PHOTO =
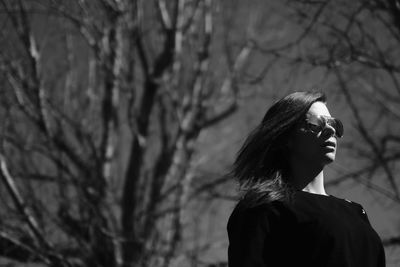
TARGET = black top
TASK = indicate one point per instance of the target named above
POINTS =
(312, 230)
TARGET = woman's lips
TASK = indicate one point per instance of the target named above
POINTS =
(329, 145)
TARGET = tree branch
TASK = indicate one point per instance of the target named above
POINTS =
(8, 180)
(392, 241)
(364, 133)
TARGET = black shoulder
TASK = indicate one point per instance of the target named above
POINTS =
(263, 214)
(359, 209)
(250, 231)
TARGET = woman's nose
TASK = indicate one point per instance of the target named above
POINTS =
(328, 131)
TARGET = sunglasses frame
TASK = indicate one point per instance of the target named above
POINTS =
(322, 122)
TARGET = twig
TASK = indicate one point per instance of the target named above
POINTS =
(392, 241)
(20, 204)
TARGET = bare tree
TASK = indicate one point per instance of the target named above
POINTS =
(102, 104)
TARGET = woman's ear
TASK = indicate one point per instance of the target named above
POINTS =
(289, 142)
(286, 148)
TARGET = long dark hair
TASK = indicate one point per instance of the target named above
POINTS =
(261, 166)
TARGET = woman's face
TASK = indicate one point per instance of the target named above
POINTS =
(310, 146)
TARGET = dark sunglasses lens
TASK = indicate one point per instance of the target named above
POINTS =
(337, 125)
(315, 128)
(316, 125)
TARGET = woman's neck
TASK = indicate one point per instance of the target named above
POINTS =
(308, 179)
(316, 186)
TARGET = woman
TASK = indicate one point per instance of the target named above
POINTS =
(285, 217)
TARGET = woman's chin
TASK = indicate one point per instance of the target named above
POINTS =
(329, 157)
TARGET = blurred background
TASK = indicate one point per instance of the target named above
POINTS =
(121, 118)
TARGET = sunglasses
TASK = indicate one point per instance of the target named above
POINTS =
(316, 124)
